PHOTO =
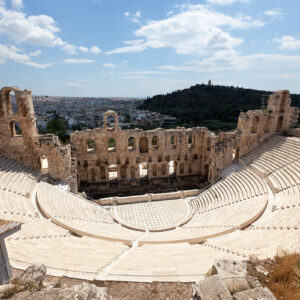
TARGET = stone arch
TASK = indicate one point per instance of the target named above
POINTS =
(173, 142)
(279, 124)
(15, 128)
(190, 140)
(143, 144)
(6, 100)
(111, 144)
(255, 123)
(143, 168)
(172, 167)
(190, 168)
(155, 142)
(90, 145)
(131, 144)
(107, 115)
(44, 164)
(268, 124)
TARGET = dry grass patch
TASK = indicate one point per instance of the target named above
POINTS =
(283, 277)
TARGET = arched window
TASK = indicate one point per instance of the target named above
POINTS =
(110, 120)
(15, 128)
(112, 172)
(143, 145)
(131, 144)
(123, 172)
(190, 167)
(143, 168)
(85, 164)
(155, 143)
(154, 170)
(171, 167)
(255, 123)
(190, 140)
(44, 164)
(12, 104)
(111, 145)
(173, 142)
(90, 145)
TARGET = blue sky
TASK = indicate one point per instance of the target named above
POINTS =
(140, 48)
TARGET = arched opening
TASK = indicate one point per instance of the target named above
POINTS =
(44, 164)
(279, 124)
(173, 142)
(90, 145)
(111, 145)
(102, 173)
(236, 153)
(11, 103)
(171, 167)
(154, 170)
(123, 172)
(143, 146)
(131, 144)
(143, 168)
(163, 170)
(92, 175)
(181, 168)
(112, 172)
(110, 120)
(15, 128)
(190, 140)
(155, 143)
(190, 168)
(255, 123)
(268, 124)
(132, 172)
(85, 164)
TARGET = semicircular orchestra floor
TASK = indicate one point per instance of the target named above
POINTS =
(152, 216)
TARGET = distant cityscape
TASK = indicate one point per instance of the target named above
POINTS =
(79, 113)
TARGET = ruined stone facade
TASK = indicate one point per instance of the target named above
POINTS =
(107, 161)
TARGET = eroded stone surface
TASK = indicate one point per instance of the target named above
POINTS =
(255, 294)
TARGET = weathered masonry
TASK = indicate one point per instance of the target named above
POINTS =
(107, 161)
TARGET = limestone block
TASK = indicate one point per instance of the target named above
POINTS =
(255, 294)
(211, 288)
(233, 273)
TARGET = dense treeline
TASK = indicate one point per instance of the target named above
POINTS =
(216, 107)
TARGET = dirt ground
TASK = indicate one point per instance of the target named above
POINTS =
(133, 290)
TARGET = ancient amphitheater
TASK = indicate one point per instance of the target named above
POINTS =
(251, 205)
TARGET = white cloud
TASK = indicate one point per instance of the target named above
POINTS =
(95, 50)
(83, 49)
(17, 4)
(40, 30)
(275, 14)
(15, 54)
(226, 2)
(133, 17)
(36, 53)
(109, 65)
(238, 62)
(78, 61)
(144, 72)
(288, 42)
(197, 29)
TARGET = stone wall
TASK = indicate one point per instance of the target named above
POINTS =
(109, 161)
